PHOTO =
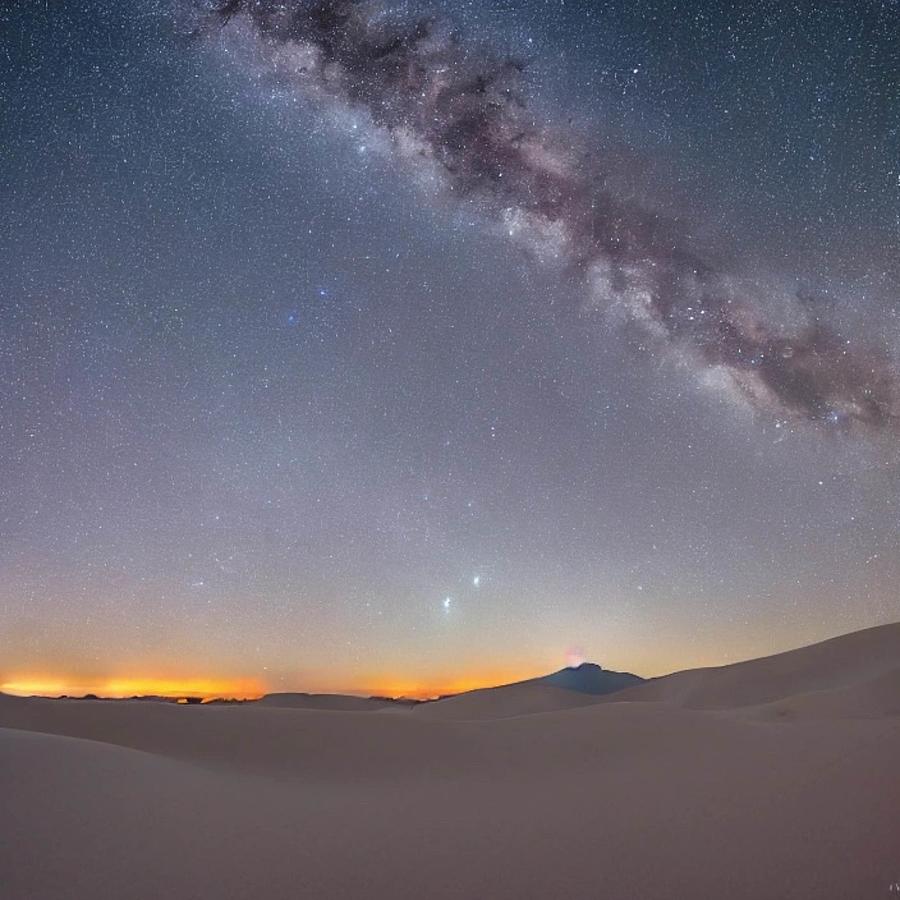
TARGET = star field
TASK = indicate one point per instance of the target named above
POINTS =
(391, 349)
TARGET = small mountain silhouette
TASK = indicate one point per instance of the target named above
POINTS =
(589, 678)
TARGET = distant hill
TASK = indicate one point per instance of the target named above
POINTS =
(589, 678)
(568, 688)
(532, 695)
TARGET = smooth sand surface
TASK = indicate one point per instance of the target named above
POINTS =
(504, 702)
(334, 702)
(845, 662)
(791, 791)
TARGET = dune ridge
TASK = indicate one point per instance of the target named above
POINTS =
(774, 777)
(843, 664)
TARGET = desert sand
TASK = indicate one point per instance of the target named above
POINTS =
(773, 778)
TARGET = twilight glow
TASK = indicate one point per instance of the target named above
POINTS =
(130, 687)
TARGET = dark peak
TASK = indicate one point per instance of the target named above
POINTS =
(590, 678)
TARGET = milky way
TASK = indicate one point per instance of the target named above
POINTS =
(349, 347)
(460, 116)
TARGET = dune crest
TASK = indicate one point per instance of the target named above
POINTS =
(742, 781)
(843, 666)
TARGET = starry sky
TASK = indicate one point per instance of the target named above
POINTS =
(403, 348)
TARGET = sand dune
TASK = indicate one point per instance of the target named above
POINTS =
(871, 699)
(336, 702)
(837, 665)
(681, 796)
(503, 702)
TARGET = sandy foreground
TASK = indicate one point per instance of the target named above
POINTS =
(777, 778)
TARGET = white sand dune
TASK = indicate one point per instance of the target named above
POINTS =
(335, 702)
(650, 799)
(504, 702)
(842, 664)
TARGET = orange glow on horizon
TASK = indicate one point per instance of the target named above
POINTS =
(245, 689)
(118, 688)
(428, 690)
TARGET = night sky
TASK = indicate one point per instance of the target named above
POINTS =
(404, 348)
